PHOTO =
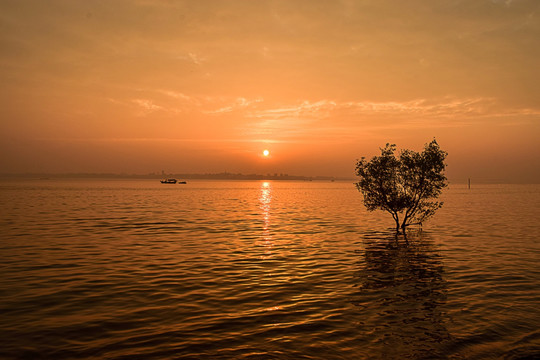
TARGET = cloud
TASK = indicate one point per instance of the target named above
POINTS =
(192, 57)
(238, 104)
(505, 2)
(152, 140)
(329, 119)
(177, 95)
(448, 107)
(147, 106)
(257, 118)
(174, 102)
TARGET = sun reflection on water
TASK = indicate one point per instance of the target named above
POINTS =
(265, 200)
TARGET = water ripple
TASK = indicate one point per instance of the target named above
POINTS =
(255, 270)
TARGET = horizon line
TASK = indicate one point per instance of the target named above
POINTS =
(225, 175)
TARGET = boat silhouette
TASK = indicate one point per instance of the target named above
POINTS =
(172, 181)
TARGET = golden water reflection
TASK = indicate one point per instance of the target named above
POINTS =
(265, 200)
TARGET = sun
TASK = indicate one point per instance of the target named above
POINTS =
(266, 153)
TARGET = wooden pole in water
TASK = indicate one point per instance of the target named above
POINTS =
(469, 183)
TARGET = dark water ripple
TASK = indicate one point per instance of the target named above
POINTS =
(254, 270)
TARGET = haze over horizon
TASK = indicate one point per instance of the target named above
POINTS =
(204, 87)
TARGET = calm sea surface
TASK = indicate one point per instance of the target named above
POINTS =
(133, 269)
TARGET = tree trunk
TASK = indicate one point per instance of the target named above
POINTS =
(396, 218)
(403, 226)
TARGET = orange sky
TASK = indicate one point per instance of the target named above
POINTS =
(205, 86)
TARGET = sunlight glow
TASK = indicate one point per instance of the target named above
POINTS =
(265, 200)
(266, 153)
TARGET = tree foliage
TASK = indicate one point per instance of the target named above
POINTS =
(405, 186)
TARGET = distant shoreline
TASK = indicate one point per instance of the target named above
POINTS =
(224, 176)
(212, 176)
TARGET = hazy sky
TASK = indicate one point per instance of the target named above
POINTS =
(205, 86)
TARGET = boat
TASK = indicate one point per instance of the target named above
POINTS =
(172, 181)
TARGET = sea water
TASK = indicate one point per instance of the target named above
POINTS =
(120, 269)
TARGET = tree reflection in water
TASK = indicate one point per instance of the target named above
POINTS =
(401, 288)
